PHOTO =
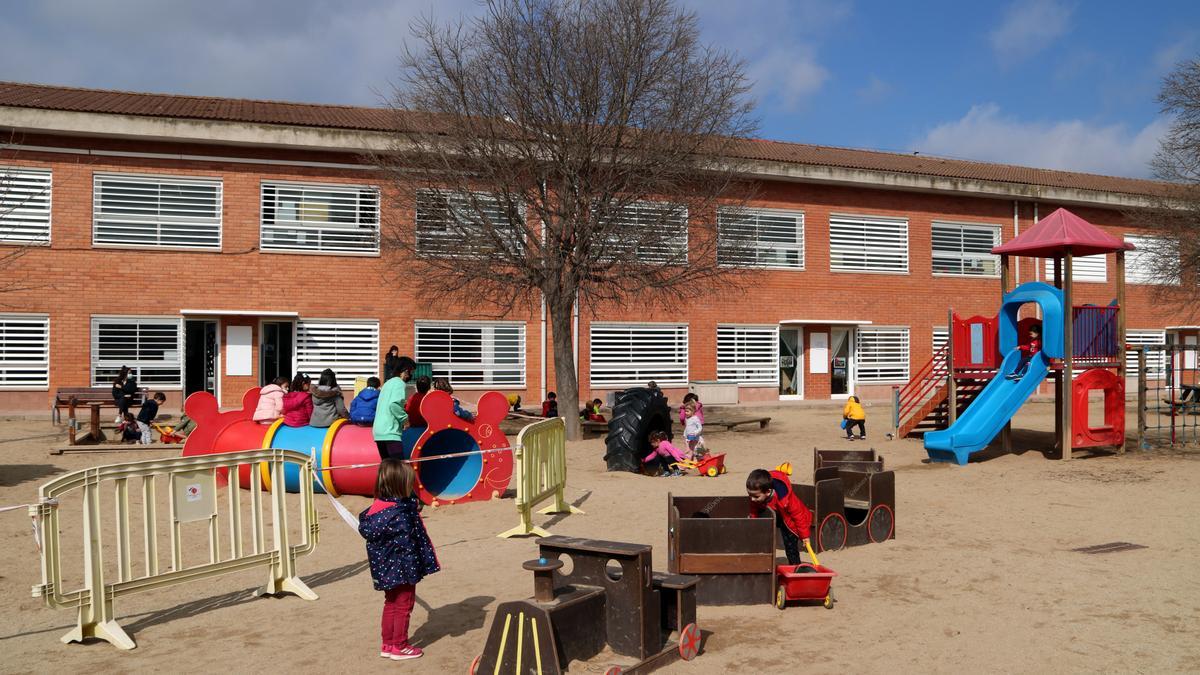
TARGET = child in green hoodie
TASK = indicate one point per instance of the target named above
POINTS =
(390, 418)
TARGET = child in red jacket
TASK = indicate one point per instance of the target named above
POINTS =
(1027, 353)
(773, 490)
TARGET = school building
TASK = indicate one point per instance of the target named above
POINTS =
(214, 244)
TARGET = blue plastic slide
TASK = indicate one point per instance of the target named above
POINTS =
(1002, 397)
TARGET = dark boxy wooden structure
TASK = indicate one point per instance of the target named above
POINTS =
(855, 460)
(609, 597)
(731, 554)
(852, 498)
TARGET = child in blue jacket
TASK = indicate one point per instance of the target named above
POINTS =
(362, 408)
(399, 551)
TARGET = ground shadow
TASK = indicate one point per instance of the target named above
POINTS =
(558, 517)
(34, 438)
(15, 474)
(452, 620)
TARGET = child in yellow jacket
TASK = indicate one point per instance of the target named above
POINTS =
(854, 415)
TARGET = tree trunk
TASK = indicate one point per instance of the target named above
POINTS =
(566, 382)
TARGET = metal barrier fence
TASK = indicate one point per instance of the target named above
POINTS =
(1168, 395)
(192, 487)
(541, 473)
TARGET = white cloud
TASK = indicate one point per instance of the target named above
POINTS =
(874, 91)
(1028, 27)
(985, 134)
(1170, 54)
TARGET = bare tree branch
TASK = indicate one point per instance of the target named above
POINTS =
(19, 201)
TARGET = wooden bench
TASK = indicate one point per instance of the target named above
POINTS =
(591, 426)
(729, 425)
(67, 397)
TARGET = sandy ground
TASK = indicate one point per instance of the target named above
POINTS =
(981, 576)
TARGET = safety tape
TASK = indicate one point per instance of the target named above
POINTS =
(34, 520)
(343, 512)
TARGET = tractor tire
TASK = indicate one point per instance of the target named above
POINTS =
(635, 414)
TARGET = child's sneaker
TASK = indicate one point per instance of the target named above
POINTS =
(386, 651)
(406, 652)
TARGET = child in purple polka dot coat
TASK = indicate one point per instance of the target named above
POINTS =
(399, 551)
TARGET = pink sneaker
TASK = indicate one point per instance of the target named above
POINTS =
(406, 652)
(386, 651)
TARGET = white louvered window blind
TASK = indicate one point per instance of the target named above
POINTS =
(868, 244)
(24, 206)
(24, 351)
(1140, 262)
(474, 353)
(1091, 268)
(451, 224)
(881, 354)
(1156, 359)
(656, 232)
(965, 250)
(350, 347)
(150, 346)
(940, 337)
(760, 238)
(156, 212)
(320, 218)
(632, 354)
(748, 354)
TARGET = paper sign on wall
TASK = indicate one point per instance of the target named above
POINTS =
(237, 350)
(818, 361)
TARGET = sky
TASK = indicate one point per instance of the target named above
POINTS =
(1049, 83)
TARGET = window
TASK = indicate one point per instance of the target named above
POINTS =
(632, 354)
(965, 250)
(24, 351)
(466, 225)
(320, 218)
(868, 244)
(24, 206)
(1156, 359)
(349, 347)
(148, 211)
(882, 354)
(656, 232)
(1140, 262)
(474, 353)
(1090, 268)
(760, 238)
(748, 354)
(150, 346)
(940, 337)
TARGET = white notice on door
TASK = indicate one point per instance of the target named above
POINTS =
(818, 354)
(237, 350)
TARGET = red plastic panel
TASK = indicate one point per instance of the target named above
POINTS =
(1113, 430)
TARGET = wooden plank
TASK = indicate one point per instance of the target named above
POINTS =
(673, 581)
(568, 544)
(115, 447)
(726, 563)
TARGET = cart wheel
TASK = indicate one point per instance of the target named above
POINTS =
(780, 597)
(615, 670)
(712, 472)
(723, 469)
(831, 536)
(689, 642)
(475, 664)
(829, 602)
(880, 523)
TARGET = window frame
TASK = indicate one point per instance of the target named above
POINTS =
(433, 193)
(488, 369)
(640, 372)
(1132, 256)
(98, 212)
(1156, 370)
(860, 351)
(315, 229)
(7, 173)
(867, 221)
(757, 245)
(746, 365)
(1048, 269)
(682, 240)
(962, 256)
(136, 366)
(41, 364)
(367, 365)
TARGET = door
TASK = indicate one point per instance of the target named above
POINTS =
(275, 359)
(791, 369)
(200, 357)
(841, 362)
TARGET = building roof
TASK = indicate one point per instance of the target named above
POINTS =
(1059, 232)
(344, 117)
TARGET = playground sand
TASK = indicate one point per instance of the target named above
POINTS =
(981, 576)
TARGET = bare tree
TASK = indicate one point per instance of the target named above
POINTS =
(1173, 256)
(22, 201)
(575, 150)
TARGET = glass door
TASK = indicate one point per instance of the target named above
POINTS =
(791, 370)
(275, 359)
(200, 357)
(841, 355)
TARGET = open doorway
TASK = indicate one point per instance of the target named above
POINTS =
(200, 357)
(791, 366)
(275, 358)
(841, 362)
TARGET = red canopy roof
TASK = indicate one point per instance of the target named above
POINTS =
(1051, 237)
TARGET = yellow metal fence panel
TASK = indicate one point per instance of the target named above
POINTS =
(541, 468)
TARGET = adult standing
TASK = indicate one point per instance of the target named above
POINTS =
(118, 393)
(390, 417)
(390, 362)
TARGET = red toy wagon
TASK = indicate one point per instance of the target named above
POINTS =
(812, 583)
(711, 466)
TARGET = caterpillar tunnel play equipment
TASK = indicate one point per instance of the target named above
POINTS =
(477, 462)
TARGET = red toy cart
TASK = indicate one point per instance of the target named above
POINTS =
(812, 585)
(711, 466)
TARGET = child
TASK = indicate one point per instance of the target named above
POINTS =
(147, 414)
(328, 404)
(390, 418)
(666, 454)
(591, 411)
(854, 415)
(399, 552)
(692, 426)
(514, 402)
(130, 430)
(550, 405)
(362, 408)
(270, 401)
(297, 404)
(413, 407)
(1027, 353)
(773, 490)
(691, 398)
(443, 384)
